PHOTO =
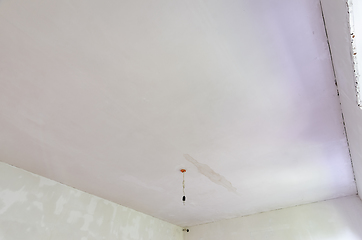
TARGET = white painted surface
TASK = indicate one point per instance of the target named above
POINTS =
(338, 219)
(337, 22)
(114, 97)
(355, 25)
(33, 207)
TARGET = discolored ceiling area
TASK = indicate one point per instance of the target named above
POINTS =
(115, 97)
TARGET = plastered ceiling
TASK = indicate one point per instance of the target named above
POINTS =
(114, 97)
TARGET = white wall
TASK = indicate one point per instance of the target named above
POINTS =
(329, 220)
(33, 207)
(337, 24)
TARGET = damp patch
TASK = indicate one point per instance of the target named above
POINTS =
(211, 174)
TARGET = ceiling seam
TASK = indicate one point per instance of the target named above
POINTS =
(339, 97)
(277, 209)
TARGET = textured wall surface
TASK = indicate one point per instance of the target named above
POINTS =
(338, 219)
(33, 207)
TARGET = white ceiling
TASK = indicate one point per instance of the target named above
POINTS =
(114, 97)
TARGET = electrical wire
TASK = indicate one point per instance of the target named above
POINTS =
(183, 188)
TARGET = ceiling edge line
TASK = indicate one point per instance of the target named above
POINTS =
(339, 97)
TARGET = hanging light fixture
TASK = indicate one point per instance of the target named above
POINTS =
(183, 186)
